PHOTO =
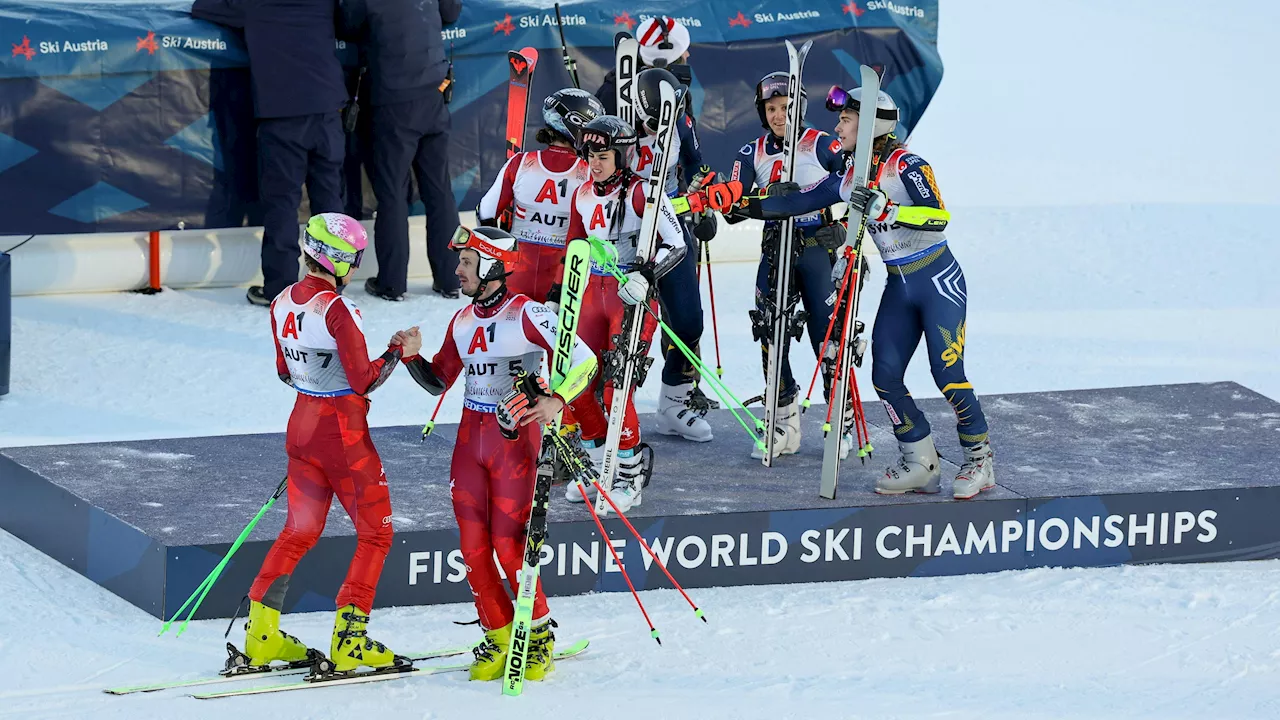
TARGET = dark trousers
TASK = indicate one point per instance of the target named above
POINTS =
(291, 151)
(811, 278)
(413, 137)
(927, 298)
(681, 301)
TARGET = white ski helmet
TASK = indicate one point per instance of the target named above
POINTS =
(496, 248)
(886, 109)
(663, 41)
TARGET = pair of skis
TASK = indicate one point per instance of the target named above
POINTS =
(852, 251)
(781, 310)
(577, 271)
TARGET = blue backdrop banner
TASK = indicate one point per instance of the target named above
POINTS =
(121, 116)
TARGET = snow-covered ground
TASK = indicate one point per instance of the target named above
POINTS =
(1102, 247)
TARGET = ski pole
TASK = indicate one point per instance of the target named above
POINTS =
(841, 300)
(569, 64)
(580, 469)
(431, 424)
(715, 327)
(604, 538)
(207, 584)
(600, 254)
(848, 315)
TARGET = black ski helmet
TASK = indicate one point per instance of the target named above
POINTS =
(566, 111)
(647, 98)
(609, 132)
(775, 85)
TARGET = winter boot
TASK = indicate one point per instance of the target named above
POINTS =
(918, 470)
(677, 417)
(491, 655)
(595, 451)
(542, 646)
(978, 472)
(263, 641)
(352, 647)
(787, 441)
(628, 485)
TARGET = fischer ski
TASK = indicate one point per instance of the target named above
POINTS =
(852, 250)
(780, 323)
(367, 676)
(630, 351)
(237, 669)
(577, 271)
(626, 63)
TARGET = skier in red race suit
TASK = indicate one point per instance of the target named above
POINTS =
(611, 207)
(320, 352)
(531, 196)
(495, 457)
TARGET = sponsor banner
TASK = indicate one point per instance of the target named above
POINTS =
(923, 539)
(74, 72)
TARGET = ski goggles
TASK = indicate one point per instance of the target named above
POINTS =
(840, 99)
(596, 141)
(335, 254)
(464, 238)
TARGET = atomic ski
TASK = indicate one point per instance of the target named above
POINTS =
(521, 64)
(852, 250)
(368, 676)
(781, 310)
(235, 671)
(626, 62)
(633, 320)
(577, 271)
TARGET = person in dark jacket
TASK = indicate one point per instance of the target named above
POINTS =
(298, 95)
(407, 68)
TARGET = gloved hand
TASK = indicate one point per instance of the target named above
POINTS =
(705, 226)
(779, 189)
(871, 202)
(842, 264)
(724, 196)
(553, 298)
(514, 409)
(635, 289)
(830, 237)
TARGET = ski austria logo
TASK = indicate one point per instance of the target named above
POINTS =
(147, 43)
(503, 26)
(24, 49)
(904, 10)
(625, 20)
(851, 8)
(740, 20)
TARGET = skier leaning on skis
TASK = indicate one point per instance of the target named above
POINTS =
(495, 457)
(534, 190)
(925, 294)
(759, 163)
(611, 208)
(320, 352)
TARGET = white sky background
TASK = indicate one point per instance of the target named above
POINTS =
(1097, 102)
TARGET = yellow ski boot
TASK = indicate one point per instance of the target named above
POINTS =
(263, 641)
(542, 646)
(352, 647)
(491, 655)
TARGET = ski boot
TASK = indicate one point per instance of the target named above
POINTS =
(595, 451)
(787, 440)
(541, 658)
(264, 643)
(352, 647)
(918, 470)
(978, 472)
(677, 415)
(628, 486)
(491, 655)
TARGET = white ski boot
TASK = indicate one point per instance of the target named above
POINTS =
(628, 486)
(787, 441)
(918, 470)
(978, 472)
(595, 449)
(677, 417)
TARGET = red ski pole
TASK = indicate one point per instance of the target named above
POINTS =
(431, 424)
(604, 538)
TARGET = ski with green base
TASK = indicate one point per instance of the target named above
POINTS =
(577, 272)
(251, 673)
(368, 676)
